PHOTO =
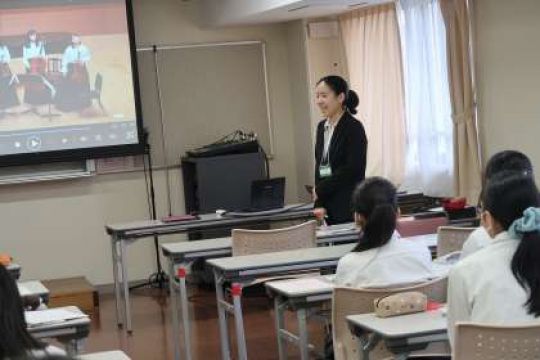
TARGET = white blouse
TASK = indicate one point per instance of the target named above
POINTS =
(483, 289)
(477, 240)
(399, 262)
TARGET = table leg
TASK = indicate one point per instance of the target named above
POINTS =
(402, 356)
(125, 283)
(303, 342)
(73, 347)
(279, 313)
(223, 329)
(185, 314)
(239, 321)
(367, 343)
(117, 295)
(174, 309)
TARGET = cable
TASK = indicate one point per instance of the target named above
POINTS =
(163, 141)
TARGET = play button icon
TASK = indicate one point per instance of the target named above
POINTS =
(33, 143)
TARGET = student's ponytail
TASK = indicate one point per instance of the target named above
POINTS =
(512, 200)
(526, 269)
(352, 101)
(376, 201)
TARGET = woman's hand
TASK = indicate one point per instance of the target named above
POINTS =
(320, 215)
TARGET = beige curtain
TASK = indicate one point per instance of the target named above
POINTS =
(372, 47)
(466, 152)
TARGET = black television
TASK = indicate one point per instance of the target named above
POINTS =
(68, 81)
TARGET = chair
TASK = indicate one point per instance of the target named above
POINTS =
(451, 239)
(349, 301)
(249, 242)
(96, 93)
(415, 227)
(54, 65)
(482, 342)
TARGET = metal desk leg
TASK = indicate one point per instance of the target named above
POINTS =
(402, 356)
(223, 329)
(185, 313)
(117, 295)
(303, 342)
(279, 313)
(73, 347)
(174, 309)
(236, 291)
(367, 343)
(125, 283)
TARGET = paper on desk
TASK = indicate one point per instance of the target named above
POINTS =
(24, 290)
(312, 284)
(334, 231)
(51, 316)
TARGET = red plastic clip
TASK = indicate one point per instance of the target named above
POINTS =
(236, 290)
(181, 273)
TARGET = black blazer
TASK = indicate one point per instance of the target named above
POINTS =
(347, 152)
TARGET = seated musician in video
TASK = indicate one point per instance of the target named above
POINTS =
(8, 81)
(38, 90)
(34, 53)
(75, 92)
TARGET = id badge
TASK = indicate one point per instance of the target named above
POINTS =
(325, 171)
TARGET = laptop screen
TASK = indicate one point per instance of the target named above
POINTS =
(268, 194)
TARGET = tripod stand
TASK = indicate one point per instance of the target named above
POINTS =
(159, 278)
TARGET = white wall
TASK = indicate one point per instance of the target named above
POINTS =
(56, 230)
(326, 56)
(508, 72)
(302, 99)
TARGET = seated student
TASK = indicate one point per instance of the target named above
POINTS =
(381, 258)
(500, 285)
(15, 341)
(509, 161)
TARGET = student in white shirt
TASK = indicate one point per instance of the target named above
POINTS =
(74, 93)
(508, 161)
(33, 49)
(500, 285)
(381, 258)
(76, 53)
(8, 81)
(15, 340)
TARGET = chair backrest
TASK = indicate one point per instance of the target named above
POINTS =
(249, 242)
(451, 238)
(482, 342)
(408, 227)
(349, 301)
(54, 64)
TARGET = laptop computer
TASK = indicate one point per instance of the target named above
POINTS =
(267, 195)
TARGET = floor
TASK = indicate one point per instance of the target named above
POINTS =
(151, 338)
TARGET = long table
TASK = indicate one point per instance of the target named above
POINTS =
(70, 333)
(122, 235)
(241, 270)
(180, 255)
(304, 295)
(14, 270)
(401, 334)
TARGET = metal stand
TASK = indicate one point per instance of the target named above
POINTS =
(159, 278)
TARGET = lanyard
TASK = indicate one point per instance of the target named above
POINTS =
(329, 133)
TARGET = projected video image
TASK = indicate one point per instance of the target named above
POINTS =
(66, 78)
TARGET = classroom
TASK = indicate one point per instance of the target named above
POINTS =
(269, 179)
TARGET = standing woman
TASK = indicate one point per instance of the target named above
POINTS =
(340, 149)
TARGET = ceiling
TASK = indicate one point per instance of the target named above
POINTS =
(250, 12)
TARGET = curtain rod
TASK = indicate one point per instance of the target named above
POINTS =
(199, 45)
